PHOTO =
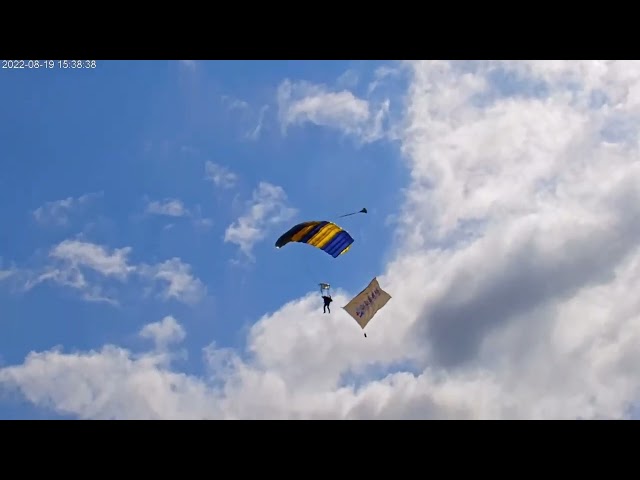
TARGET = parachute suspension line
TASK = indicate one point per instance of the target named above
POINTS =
(313, 278)
(324, 235)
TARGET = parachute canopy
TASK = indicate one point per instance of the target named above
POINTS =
(324, 235)
(366, 304)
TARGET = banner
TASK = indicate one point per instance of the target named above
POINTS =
(366, 304)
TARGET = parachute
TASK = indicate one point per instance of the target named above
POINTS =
(325, 235)
(335, 241)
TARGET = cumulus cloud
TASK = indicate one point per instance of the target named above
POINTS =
(220, 175)
(304, 102)
(75, 260)
(163, 333)
(82, 392)
(58, 212)
(177, 280)
(71, 276)
(77, 253)
(511, 287)
(268, 207)
(169, 207)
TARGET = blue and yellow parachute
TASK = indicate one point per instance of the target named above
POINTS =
(324, 235)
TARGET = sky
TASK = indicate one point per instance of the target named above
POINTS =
(141, 201)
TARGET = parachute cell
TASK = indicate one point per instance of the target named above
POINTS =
(326, 236)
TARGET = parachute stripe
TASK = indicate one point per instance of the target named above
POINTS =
(345, 248)
(325, 235)
(334, 247)
(301, 231)
(343, 243)
(291, 233)
(337, 244)
(312, 232)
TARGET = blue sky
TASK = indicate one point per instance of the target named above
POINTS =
(140, 202)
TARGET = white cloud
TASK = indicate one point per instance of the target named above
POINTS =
(518, 250)
(71, 276)
(248, 114)
(164, 333)
(199, 221)
(179, 283)
(271, 386)
(220, 175)
(96, 257)
(255, 133)
(74, 259)
(58, 212)
(303, 102)
(382, 75)
(203, 222)
(4, 274)
(233, 103)
(349, 79)
(135, 386)
(268, 208)
(170, 207)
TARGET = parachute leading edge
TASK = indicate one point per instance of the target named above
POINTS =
(366, 304)
(324, 235)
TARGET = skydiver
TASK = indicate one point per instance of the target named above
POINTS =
(327, 300)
